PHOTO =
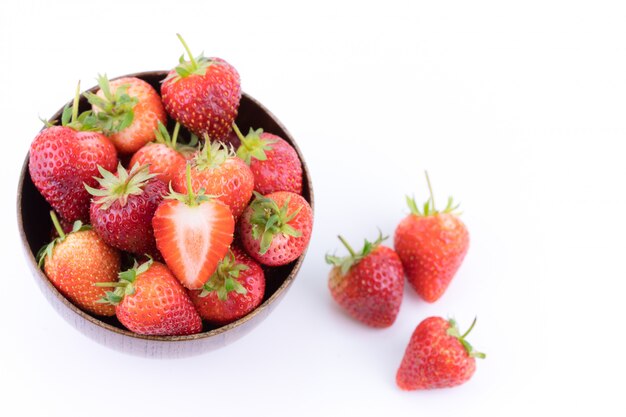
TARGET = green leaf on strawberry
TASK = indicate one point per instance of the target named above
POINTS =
(252, 145)
(114, 110)
(46, 250)
(125, 285)
(224, 279)
(346, 262)
(453, 331)
(429, 206)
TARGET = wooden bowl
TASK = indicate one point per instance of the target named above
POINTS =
(35, 226)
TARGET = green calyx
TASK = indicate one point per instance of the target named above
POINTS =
(429, 207)
(191, 199)
(163, 137)
(119, 187)
(347, 262)
(213, 154)
(195, 66)
(252, 146)
(83, 122)
(115, 110)
(453, 331)
(126, 284)
(46, 250)
(268, 220)
(225, 278)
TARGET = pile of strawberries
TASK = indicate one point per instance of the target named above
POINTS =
(198, 223)
(430, 246)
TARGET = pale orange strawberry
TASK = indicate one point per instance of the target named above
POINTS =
(193, 233)
(129, 110)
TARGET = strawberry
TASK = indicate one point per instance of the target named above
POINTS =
(149, 300)
(437, 356)
(123, 206)
(275, 229)
(202, 94)
(64, 157)
(193, 233)
(129, 111)
(165, 157)
(368, 284)
(217, 171)
(431, 245)
(273, 161)
(75, 261)
(236, 288)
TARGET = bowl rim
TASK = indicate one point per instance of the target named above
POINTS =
(197, 336)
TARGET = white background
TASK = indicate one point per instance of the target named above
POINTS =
(515, 108)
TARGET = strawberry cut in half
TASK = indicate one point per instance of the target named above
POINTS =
(193, 233)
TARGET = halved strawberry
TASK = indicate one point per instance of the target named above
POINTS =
(193, 233)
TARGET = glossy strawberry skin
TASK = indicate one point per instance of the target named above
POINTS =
(371, 290)
(204, 103)
(434, 359)
(432, 249)
(281, 171)
(77, 263)
(232, 183)
(163, 160)
(159, 306)
(147, 113)
(129, 227)
(236, 306)
(283, 249)
(62, 160)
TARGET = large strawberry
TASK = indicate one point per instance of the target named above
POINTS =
(275, 229)
(368, 284)
(432, 245)
(128, 110)
(149, 300)
(437, 356)
(193, 233)
(74, 262)
(123, 207)
(165, 157)
(273, 161)
(202, 94)
(236, 288)
(64, 157)
(216, 170)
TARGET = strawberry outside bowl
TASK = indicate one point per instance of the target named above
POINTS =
(35, 225)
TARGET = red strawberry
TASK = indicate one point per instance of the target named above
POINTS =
(193, 233)
(437, 356)
(275, 229)
(219, 172)
(129, 111)
(165, 157)
(62, 158)
(368, 284)
(273, 161)
(75, 261)
(149, 300)
(236, 288)
(431, 245)
(122, 209)
(202, 94)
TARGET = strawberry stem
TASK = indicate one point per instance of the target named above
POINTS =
(191, 58)
(470, 329)
(175, 135)
(57, 225)
(75, 103)
(430, 189)
(347, 245)
(238, 132)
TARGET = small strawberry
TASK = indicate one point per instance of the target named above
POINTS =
(217, 171)
(368, 284)
(123, 206)
(64, 157)
(202, 94)
(75, 261)
(149, 300)
(236, 288)
(165, 157)
(273, 161)
(431, 245)
(437, 356)
(275, 229)
(129, 111)
(193, 233)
